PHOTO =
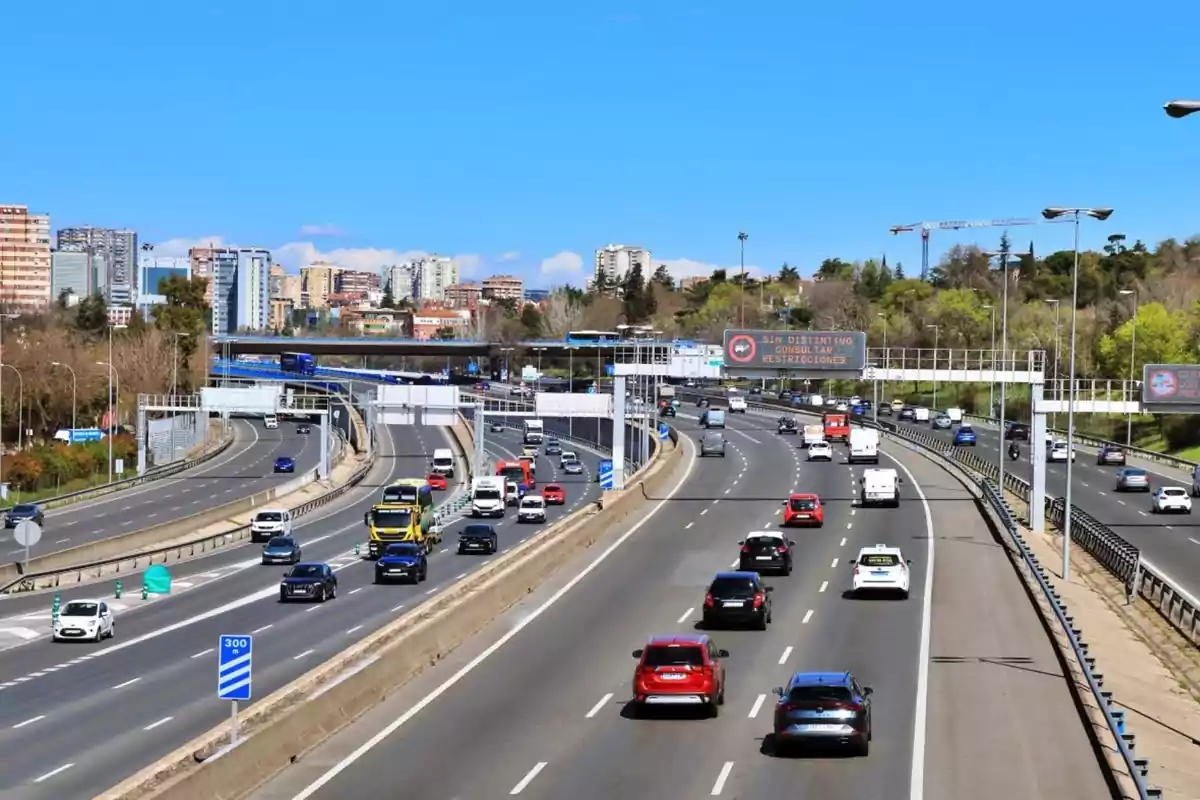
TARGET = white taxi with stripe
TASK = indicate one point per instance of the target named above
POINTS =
(881, 568)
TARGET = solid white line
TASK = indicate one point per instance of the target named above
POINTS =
(758, 704)
(787, 652)
(29, 721)
(596, 708)
(466, 669)
(528, 779)
(154, 725)
(127, 683)
(686, 614)
(807, 616)
(53, 772)
(397, 608)
(824, 586)
(302, 655)
(352, 630)
(724, 776)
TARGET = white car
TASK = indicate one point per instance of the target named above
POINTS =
(1058, 452)
(532, 509)
(842, 406)
(820, 451)
(881, 568)
(1171, 499)
(566, 457)
(84, 619)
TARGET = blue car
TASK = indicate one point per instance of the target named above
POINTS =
(964, 436)
(285, 464)
(404, 561)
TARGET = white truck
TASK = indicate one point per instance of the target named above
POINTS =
(864, 446)
(880, 487)
(535, 431)
(813, 433)
(488, 497)
(737, 405)
(443, 462)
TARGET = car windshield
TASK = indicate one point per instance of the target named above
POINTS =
(280, 541)
(305, 571)
(1174, 492)
(553, 487)
(477, 530)
(80, 608)
(487, 494)
(1135, 473)
(569, 456)
(515, 474)
(531, 502)
(400, 494)
(401, 550)
(24, 509)
(666, 656)
(820, 694)
(391, 517)
(270, 516)
(879, 560)
(819, 446)
(764, 541)
(733, 587)
(804, 504)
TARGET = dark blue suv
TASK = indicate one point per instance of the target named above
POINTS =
(823, 708)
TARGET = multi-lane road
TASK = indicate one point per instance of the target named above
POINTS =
(243, 469)
(75, 718)
(969, 698)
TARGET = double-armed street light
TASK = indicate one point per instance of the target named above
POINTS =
(1132, 356)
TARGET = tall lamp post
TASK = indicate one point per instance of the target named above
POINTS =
(1177, 109)
(506, 351)
(1057, 303)
(539, 351)
(937, 329)
(1003, 256)
(742, 237)
(2, 318)
(74, 389)
(875, 410)
(992, 383)
(20, 405)
(113, 376)
(1052, 213)
(175, 336)
(1132, 356)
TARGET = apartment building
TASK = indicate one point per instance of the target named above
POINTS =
(119, 248)
(317, 283)
(291, 288)
(241, 289)
(275, 280)
(280, 318)
(428, 322)
(353, 281)
(464, 295)
(76, 273)
(401, 279)
(503, 287)
(613, 262)
(432, 275)
(203, 260)
(25, 264)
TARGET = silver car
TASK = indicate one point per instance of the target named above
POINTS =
(1133, 479)
(712, 444)
(942, 422)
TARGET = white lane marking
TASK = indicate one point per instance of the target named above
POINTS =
(703, 512)
(355, 591)
(596, 708)
(735, 564)
(843, 543)
(431, 591)
(849, 525)
(685, 616)
(787, 653)
(758, 704)
(528, 779)
(352, 630)
(302, 655)
(263, 628)
(1143, 513)
(717, 501)
(154, 725)
(853, 511)
(807, 616)
(724, 776)
(53, 772)
(29, 721)
(824, 586)
(690, 524)
(834, 564)
(397, 608)
(470, 666)
(130, 682)
(1122, 502)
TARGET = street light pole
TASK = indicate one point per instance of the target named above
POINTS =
(1050, 214)
(20, 405)
(74, 390)
(875, 409)
(1132, 356)
(937, 329)
(742, 237)
(1003, 256)
(1054, 301)
(992, 382)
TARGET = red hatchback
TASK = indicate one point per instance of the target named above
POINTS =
(436, 481)
(681, 670)
(803, 509)
(554, 494)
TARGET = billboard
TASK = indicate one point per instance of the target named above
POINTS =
(438, 405)
(574, 405)
(817, 352)
(1171, 387)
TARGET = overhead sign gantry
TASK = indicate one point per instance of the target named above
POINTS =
(771, 354)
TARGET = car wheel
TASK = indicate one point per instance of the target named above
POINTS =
(99, 634)
(282, 597)
(321, 595)
(714, 710)
(863, 747)
(762, 623)
(264, 562)
(721, 696)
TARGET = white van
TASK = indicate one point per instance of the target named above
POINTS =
(488, 497)
(270, 522)
(921, 414)
(864, 445)
(737, 405)
(816, 400)
(880, 486)
(955, 415)
(271, 421)
(443, 462)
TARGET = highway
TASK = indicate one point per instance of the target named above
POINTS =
(543, 713)
(75, 718)
(243, 469)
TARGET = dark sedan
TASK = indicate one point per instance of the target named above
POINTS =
(310, 581)
(281, 550)
(25, 512)
(285, 464)
(1110, 454)
(1017, 430)
(402, 562)
(823, 707)
(304, 429)
(737, 598)
(478, 539)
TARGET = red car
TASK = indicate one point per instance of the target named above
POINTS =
(684, 669)
(436, 481)
(804, 509)
(554, 494)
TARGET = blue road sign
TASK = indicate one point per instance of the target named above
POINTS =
(664, 432)
(472, 368)
(86, 435)
(609, 370)
(606, 473)
(233, 666)
(591, 390)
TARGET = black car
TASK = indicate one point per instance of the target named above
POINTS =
(701, 402)
(907, 414)
(885, 410)
(766, 550)
(402, 561)
(1017, 430)
(737, 598)
(756, 390)
(478, 539)
(667, 410)
(303, 429)
(823, 708)
(311, 581)
(24, 512)
(1110, 454)
(788, 425)
(281, 550)
(785, 394)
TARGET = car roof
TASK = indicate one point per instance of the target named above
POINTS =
(85, 600)
(552, 486)
(803, 496)
(880, 548)
(819, 679)
(678, 640)
(764, 535)
(318, 563)
(1172, 489)
(736, 574)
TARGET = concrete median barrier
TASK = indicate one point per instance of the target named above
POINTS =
(296, 718)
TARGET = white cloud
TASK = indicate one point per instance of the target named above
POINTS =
(511, 255)
(178, 248)
(563, 266)
(321, 230)
(469, 265)
(688, 268)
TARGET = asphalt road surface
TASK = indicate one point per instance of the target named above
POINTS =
(75, 718)
(537, 704)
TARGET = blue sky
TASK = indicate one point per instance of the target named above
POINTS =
(518, 135)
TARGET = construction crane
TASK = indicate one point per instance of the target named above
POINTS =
(955, 225)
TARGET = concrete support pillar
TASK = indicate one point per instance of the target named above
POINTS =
(142, 433)
(1037, 458)
(480, 430)
(323, 470)
(370, 423)
(618, 434)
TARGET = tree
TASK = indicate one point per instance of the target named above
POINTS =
(91, 315)
(184, 312)
(662, 277)
(788, 274)
(531, 321)
(634, 296)
(561, 313)
(834, 269)
(389, 299)
(1162, 338)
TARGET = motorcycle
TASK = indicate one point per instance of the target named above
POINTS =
(1014, 453)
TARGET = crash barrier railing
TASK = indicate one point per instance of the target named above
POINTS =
(133, 562)
(1137, 768)
(1117, 555)
(153, 474)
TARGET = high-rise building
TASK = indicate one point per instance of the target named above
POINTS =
(432, 275)
(613, 263)
(241, 289)
(355, 282)
(24, 259)
(401, 279)
(503, 287)
(276, 280)
(77, 274)
(119, 249)
(291, 288)
(202, 259)
(317, 283)
(463, 295)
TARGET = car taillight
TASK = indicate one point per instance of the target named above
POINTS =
(758, 601)
(781, 549)
(708, 600)
(746, 548)
(856, 571)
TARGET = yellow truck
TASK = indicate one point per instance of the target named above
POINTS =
(396, 522)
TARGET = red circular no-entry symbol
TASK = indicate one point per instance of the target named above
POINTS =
(742, 348)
